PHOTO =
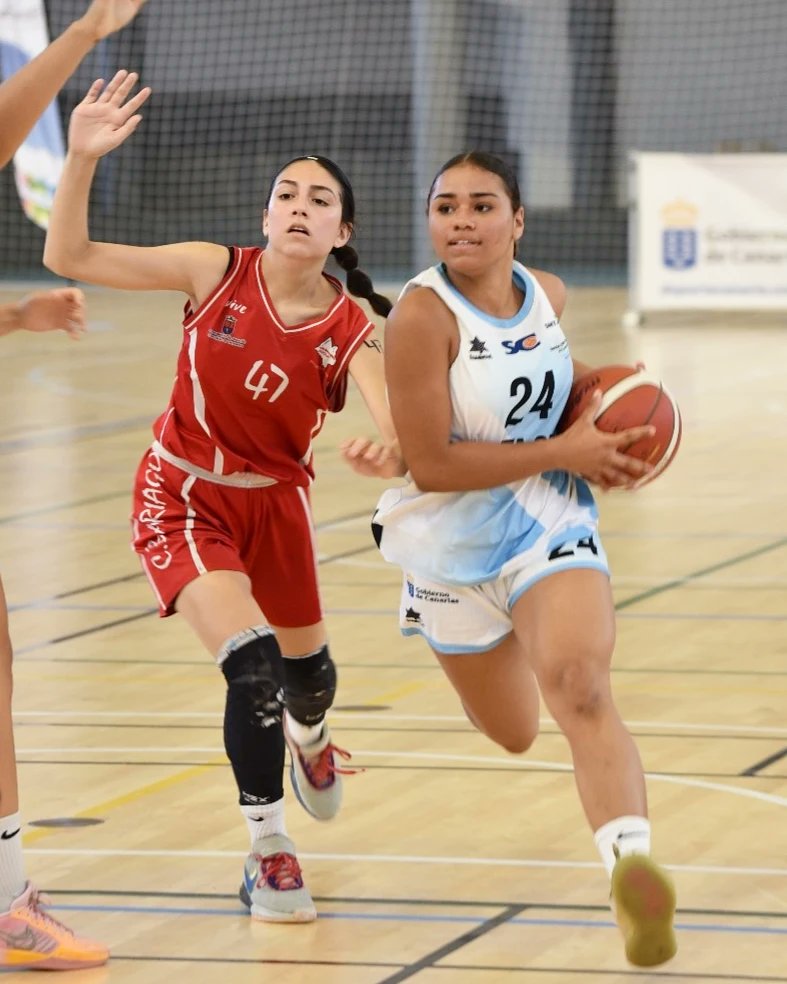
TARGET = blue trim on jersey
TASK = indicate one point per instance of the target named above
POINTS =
(450, 650)
(573, 565)
(521, 278)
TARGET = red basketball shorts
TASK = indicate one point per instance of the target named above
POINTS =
(185, 526)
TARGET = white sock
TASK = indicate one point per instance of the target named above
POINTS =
(265, 819)
(304, 734)
(12, 865)
(630, 835)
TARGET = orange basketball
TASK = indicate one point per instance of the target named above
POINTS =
(631, 398)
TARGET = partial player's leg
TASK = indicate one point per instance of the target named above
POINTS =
(29, 937)
(498, 691)
(469, 631)
(571, 658)
(220, 608)
(283, 569)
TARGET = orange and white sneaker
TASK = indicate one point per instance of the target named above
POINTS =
(32, 939)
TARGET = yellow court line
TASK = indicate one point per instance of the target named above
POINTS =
(406, 690)
(154, 787)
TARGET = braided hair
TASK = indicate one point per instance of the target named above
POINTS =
(358, 283)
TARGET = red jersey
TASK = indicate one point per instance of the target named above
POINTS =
(251, 393)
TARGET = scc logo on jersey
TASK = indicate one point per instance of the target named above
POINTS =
(526, 344)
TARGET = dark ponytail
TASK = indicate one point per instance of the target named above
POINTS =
(359, 283)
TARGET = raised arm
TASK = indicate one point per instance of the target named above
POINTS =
(420, 342)
(104, 119)
(27, 93)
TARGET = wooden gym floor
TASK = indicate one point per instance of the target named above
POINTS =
(452, 862)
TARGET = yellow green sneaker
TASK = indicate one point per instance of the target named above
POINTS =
(643, 898)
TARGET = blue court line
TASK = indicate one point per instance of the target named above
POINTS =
(391, 917)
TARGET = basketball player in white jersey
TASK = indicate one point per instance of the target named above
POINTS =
(30, 937)
(497, 532)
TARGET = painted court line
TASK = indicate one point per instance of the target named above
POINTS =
(83, 713)
(416, 859)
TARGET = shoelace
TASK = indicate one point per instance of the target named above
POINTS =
(322, 770)
(281, 871)
(36, 903)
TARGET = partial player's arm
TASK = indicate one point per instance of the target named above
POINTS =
(376, 460)
(27, 93)
(102, 121)
(62, 309)
(419, 338)
(556, 293)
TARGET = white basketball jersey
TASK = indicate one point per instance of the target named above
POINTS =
(509, 384)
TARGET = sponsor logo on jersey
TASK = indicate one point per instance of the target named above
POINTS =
(411, 615)
(229, 325)
(478, 349)
(237, 306)
(430, 595)
(526, 344)
(327, 352)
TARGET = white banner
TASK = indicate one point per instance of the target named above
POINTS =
(39, 161)
(708, 231)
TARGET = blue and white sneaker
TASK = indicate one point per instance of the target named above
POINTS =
(273, 886)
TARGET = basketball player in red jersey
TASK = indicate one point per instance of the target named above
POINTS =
(222, 521)
(29, 936)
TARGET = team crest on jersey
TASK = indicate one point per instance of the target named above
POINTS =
(526, 344)
(478, 349)
(327, 352)
(226, 334)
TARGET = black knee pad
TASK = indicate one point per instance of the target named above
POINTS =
(252, 669)
(309, 686)
(253, 735)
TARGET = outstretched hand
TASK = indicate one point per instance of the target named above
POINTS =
(62, 309)
(104, 17)
(103, 120)
(373, 460)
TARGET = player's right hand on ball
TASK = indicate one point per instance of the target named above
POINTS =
(599, 456)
